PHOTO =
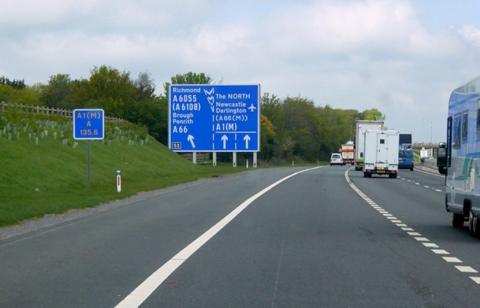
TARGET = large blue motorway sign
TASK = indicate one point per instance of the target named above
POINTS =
(214, 118)
(88, 124)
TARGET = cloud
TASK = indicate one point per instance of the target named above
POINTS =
(350, 54)
(471, 34)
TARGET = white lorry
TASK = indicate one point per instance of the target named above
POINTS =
(361, 127)
(347, 151)
(381, 152)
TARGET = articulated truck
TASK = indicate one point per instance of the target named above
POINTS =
(381, 153)
(361, 127)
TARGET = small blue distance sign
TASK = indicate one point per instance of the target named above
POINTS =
(214, 118)
(88, 124)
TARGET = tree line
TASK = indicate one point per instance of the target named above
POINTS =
(291, 128)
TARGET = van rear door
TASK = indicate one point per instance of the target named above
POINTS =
(382, 153)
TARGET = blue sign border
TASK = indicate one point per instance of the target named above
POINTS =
(259, 99)
(103, 123)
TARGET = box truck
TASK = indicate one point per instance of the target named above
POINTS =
(381, 153)
(348, 152)
(360, 127)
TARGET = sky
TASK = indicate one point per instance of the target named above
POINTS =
(402, 57)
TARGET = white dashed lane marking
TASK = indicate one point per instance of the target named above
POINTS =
(452, 259)
(440, 251)
(422, 239)
(465, 269)
(416, 235)
(430, 245)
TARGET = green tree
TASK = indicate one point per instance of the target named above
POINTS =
(57, 91)
(372, 114)
(188, 78)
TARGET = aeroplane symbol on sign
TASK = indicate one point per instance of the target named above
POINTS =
(252, 108)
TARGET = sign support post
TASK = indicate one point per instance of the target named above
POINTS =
(254, 160)
(88, 124)
(214, 159)
(194, 158)
(234, 159)
(89, 164)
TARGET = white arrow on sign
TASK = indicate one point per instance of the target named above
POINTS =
(190, 139)
(246, 139)
(224, 140)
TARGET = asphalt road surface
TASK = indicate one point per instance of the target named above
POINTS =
(325, 237)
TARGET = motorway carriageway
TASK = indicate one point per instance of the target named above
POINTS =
(280, 237)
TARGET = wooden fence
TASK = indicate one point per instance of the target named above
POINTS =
(46, 110)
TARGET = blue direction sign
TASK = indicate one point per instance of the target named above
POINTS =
(88, 124)
(214, 118)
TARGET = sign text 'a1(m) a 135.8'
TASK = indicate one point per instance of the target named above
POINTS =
(214, 118)
(88, 124)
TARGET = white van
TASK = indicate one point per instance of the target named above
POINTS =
(336, 159)
(381, 153)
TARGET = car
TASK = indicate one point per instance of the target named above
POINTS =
(336, 159)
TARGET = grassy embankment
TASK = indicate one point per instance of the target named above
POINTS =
(43, 170)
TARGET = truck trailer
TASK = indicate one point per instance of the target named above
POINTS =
(348, 152)
(361, 127)
(381, 153)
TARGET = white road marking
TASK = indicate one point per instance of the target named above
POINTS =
(438, 190)
(426, 186)
(422, 239)
(147, 287)
(465, 269)
(414, 233)
(440, 251)
(418, 170)
(452, 259)
(417, 236)
(476, 279)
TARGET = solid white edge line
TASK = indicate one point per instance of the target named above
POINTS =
(149, 285)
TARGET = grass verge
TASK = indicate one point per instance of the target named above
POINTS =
(43, 171)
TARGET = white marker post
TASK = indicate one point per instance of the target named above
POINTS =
(254, 159)
(194, 158)
(214, 159)
(119, 181)
(234, 158)
(246, 163)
